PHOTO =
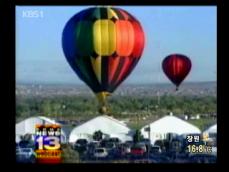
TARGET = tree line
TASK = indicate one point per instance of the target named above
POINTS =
(120, 106)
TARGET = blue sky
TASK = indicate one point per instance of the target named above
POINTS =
(168, 29)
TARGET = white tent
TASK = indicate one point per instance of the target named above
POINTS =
(27, 126)
(168, 124)
(212, 129)
(107, 125)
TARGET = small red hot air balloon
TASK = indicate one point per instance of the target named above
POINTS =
(176, 67)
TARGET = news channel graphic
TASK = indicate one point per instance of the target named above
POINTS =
(48, 143)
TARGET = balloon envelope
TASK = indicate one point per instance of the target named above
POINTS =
(103, 45)
(176, 67)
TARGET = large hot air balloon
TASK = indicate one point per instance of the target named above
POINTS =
(103, 45)
(176, 67)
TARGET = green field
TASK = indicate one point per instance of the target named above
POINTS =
(138, 110)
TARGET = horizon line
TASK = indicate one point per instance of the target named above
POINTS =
(59, 83)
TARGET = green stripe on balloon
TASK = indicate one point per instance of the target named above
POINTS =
(84, 38)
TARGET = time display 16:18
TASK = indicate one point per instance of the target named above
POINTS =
(199, 149)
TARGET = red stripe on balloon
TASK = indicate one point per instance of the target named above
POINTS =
(139, 40)
(113, 65)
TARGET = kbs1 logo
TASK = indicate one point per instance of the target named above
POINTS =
(48, 143)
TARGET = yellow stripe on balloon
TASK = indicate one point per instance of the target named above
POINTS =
(96, 65)
(111, 13)
(104, 37)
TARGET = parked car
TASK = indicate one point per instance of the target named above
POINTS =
(138, 150)
(110, 146)
(26, 144)
(155, 149)
(114, 139)
(93, 144)
(127, 149)
(104, 142)
(91, 148)
(81, 145)
(100, 153)
(25, 155)
(129, 142)
(81, 142)
(142, 145)
(96, 143)
(146, 141)
(119, 152)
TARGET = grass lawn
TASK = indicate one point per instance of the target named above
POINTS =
(203, 123)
